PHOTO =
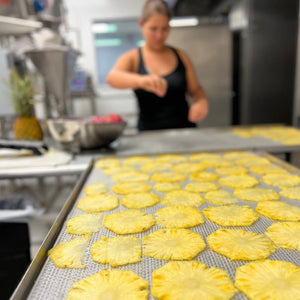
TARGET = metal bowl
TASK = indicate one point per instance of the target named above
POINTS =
(83, 134)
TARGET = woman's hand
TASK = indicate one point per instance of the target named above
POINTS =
(198, 111)
(154, 84)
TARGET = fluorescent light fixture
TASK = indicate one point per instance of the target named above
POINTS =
(104, 28)
(108, 42)
(184, 22)
(140, 43)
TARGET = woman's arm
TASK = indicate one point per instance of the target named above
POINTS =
(199, 109)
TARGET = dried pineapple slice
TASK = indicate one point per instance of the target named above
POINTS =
(240, 244)
(176, 244)
(278, 210)
(137, 161)
(191, 280)
(139, 200)
(269, 279)
(285, 234)
(168, 177)
(124, 188)
(117, 251)
(156, 167)
(171, 158)
(201, 187)
(167, 186)
(220, 197)
(106, 163)
(178, 217)
(251, 161)
(231, 215)
(119, 169)
(84, 224)
(203, 155)
(110, 284)
(216, 162)
(70, 254)
(291, 193)
(97, 203)
(256, 194)
(182, 198)
(130, 221)
(131, 176)
(235, 155)
(281, 180)
(96, 188)
(234, 170)
(266, 169)
(238, 181)
(204, 176)
(189, 167)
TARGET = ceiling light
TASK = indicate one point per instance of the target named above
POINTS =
(184, 22)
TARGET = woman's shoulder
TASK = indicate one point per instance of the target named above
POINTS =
(130, 58)
(183, 55)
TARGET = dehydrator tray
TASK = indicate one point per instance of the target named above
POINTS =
(45, 281)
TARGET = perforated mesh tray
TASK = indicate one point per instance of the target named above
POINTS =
(54, 283)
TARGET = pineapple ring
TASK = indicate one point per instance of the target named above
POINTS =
(234, 170)
(167, 186)
(281, 180)
(220, 197)
(238, 181)
(191, 280)
(269, 279)
(70, 254)
(256, 194)
(235, 155)
(110, 284)
(251, 161)
(156, 167)
(97, 203)
(182, 198)
(189, 167)
(130, 221)
(84, 224)
(125, 188)
(216, 163)
(278, 210)
(137, 160)
(106, 163)
(171, 158)
(130, 176)
(203, 155)
(178, 217)
(176, 244)
(168, 177)
(201, 187)
(119, 169)
(96, 188)
(204, 176)
(266, 169)
(240, 244)
(117, 251)
(139, 200)
(285, 234)
(231, 215)
(291, 193)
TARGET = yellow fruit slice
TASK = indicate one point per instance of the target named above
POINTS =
(119, 169)
(191, 280)
(216, 163)
(234, 170)
(124, 188)
(182, 198)
(117, 251)
(110, 285)
(231, 215)
(285, 234)
(105, 163)
(281, 180)
(269, 279)
(176, 244)
(189, 167)
(84, 224)
(98, 203)
(178, 217)
(204, 176)
(278, 210)
(130, 221)
(131, 176)
(251, 161)
(291, 193)
(137, 160)
(171, 158)
(139, 200)
(220, 197)
(256, 194)
(238, 181)
(235, 155)
(266, 169)
(240, 244)
(167, 186)
(153, 167)
(204, 155)
(168, 177)
(96, 188)
(201, 187)
(70, 254)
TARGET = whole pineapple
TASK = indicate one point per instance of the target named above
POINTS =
(26, 126)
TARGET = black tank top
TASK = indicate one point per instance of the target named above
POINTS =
(171, 111)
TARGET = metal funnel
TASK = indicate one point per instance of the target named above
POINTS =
(56, 65)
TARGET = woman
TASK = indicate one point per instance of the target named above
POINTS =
(160, 76)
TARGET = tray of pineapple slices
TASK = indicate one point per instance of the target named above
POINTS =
(222, 225)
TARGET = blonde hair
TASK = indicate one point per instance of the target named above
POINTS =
(152, 7)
